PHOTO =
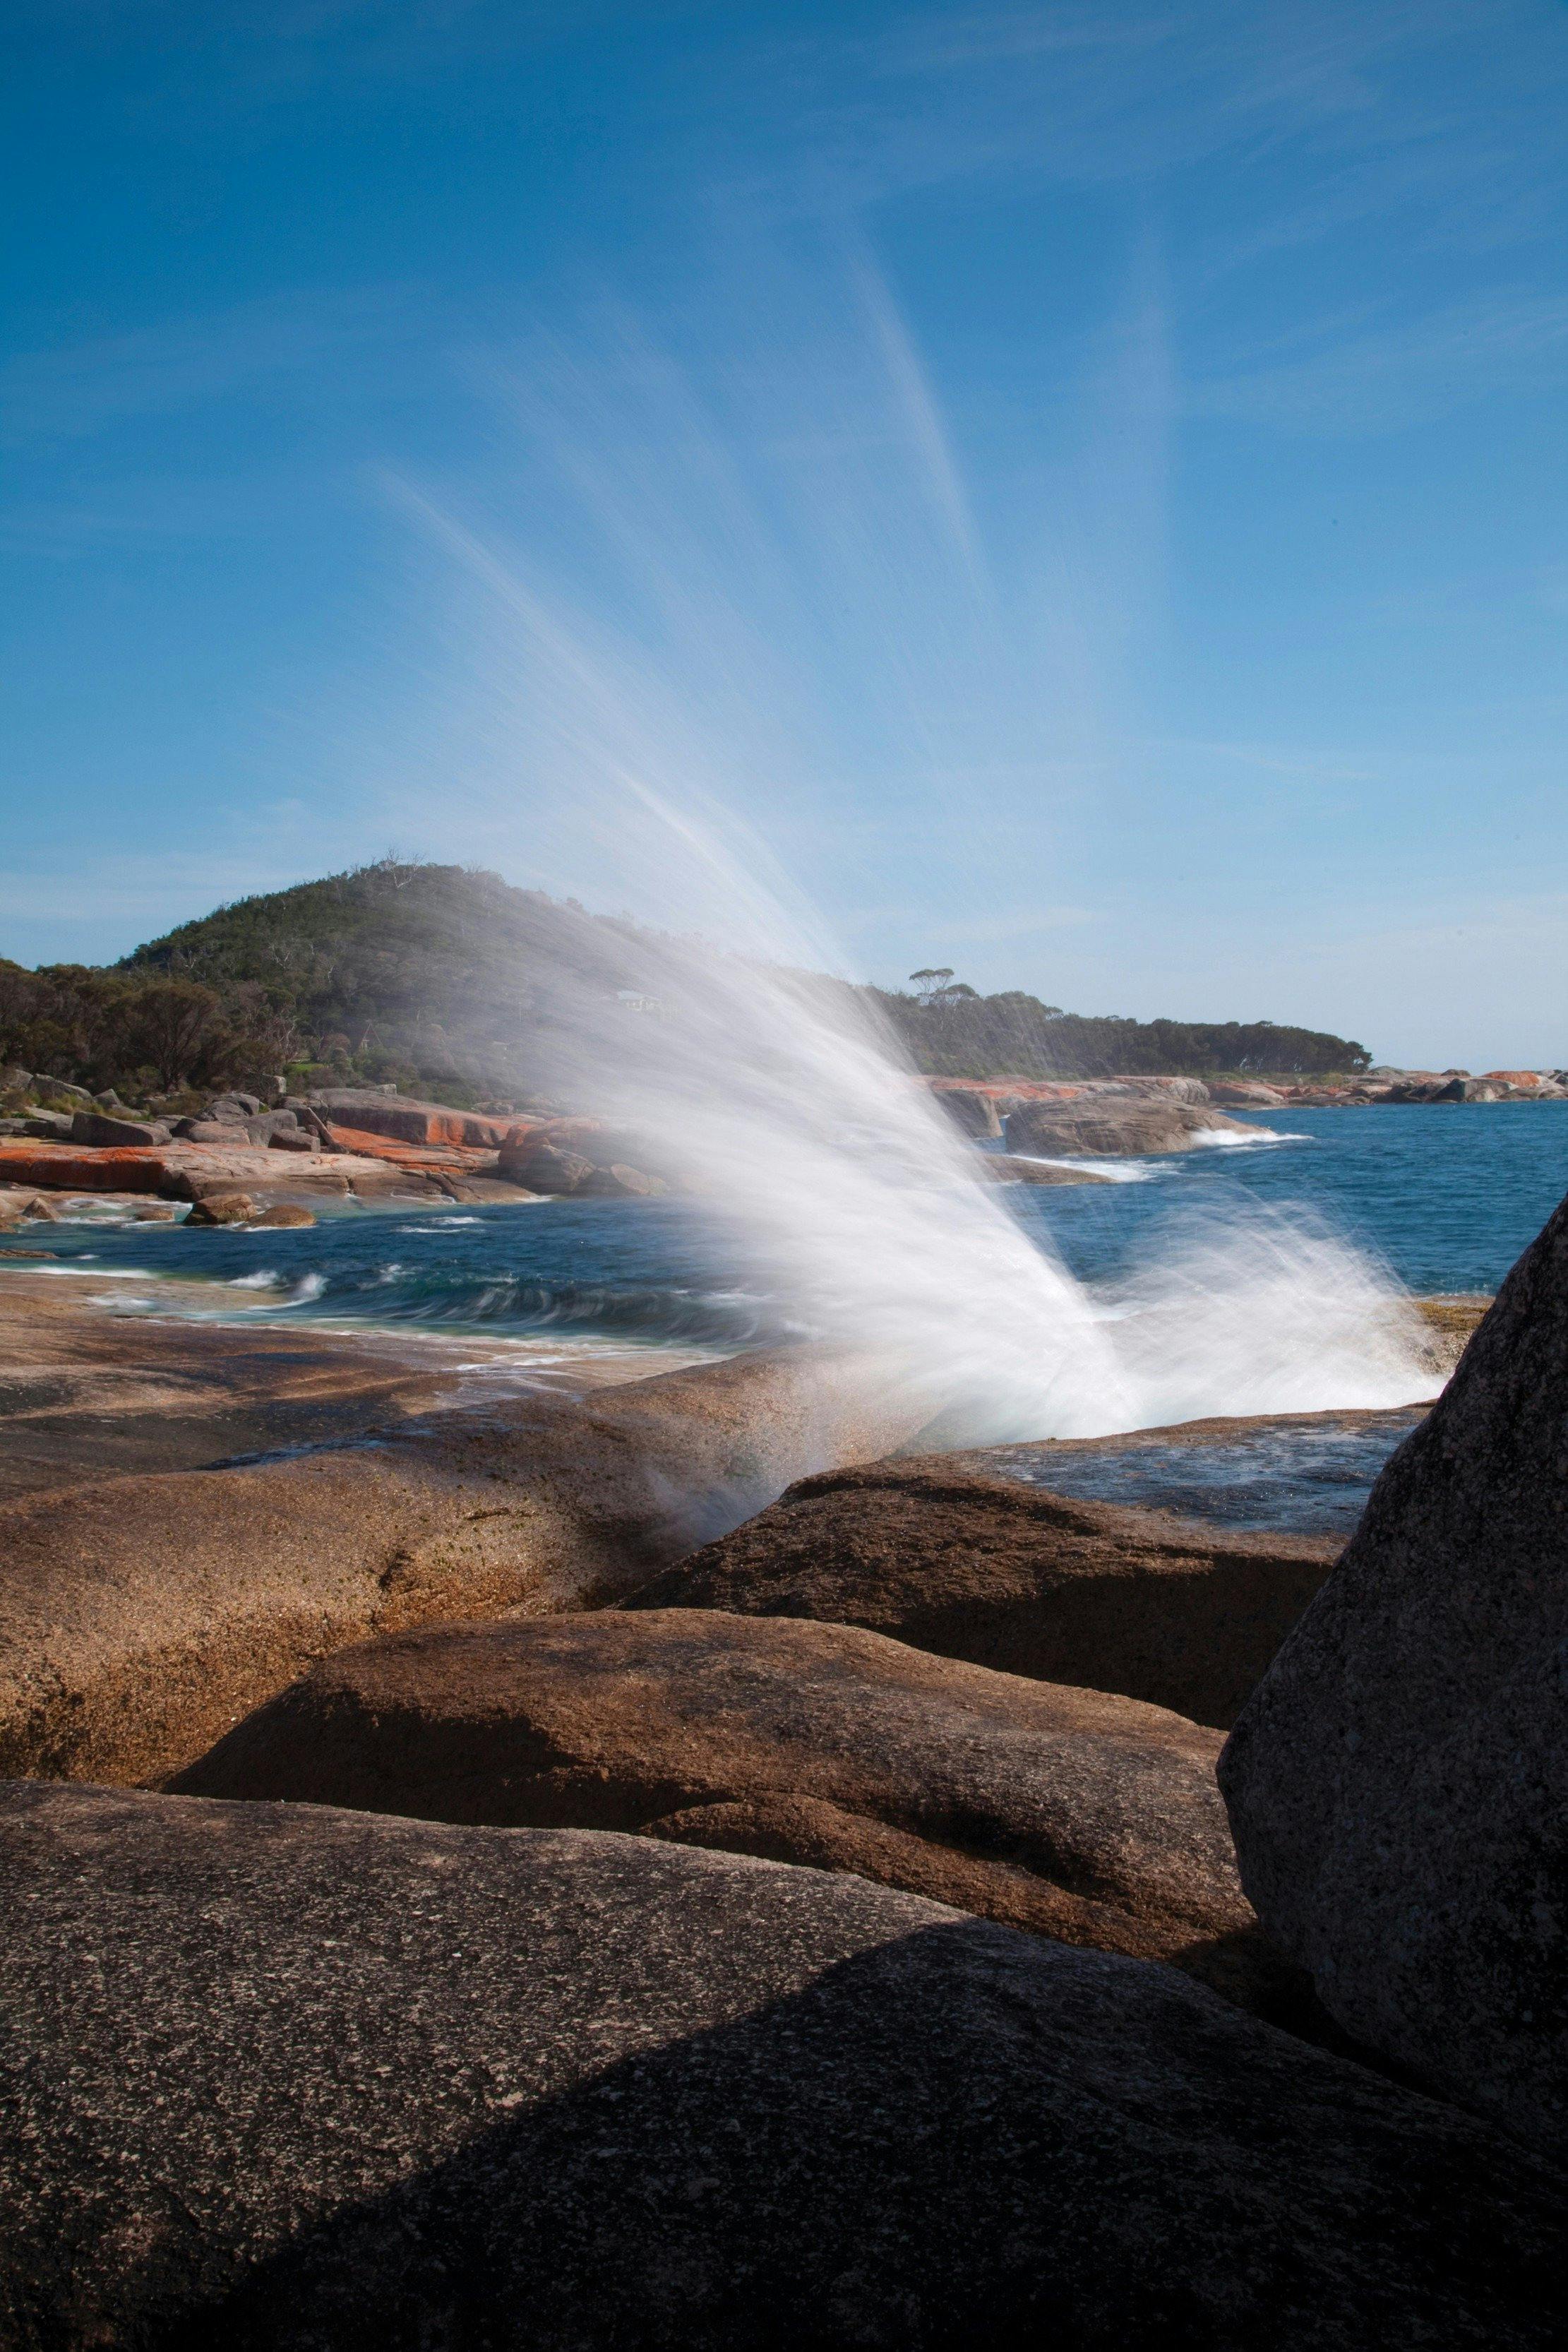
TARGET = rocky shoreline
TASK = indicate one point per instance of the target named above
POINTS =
(989, 1107)
(673, 1865)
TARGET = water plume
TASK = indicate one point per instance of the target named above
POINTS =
(634, 706)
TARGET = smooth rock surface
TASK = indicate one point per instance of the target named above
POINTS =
(223, 1209)
(1184, 1615)
(1102, 1127)
(287, 2078)
(141, 1616)
(1092, 1818)
(1006, 1167)
(1399, 1782)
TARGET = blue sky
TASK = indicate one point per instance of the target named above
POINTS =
(1085, 484)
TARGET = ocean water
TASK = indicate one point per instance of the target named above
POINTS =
(1446, 1197)
(1301, 1477)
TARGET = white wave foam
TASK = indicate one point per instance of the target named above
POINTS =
(1222, 1138)
(1116, 1171)
(299, 1293)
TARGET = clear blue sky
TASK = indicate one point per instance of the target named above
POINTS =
(1086, 483)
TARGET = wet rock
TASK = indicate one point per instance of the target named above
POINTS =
(1169, 1611)
(1398, 1783)
(331, 2079)
(108, 1133)
(1006, 1167)
(1080, 1815)
(1104, 1127)
(223, 1209)
(285, 1213)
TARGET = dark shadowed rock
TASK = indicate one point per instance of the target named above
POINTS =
(1399, 1782)
(287, 2078)
(972, 1109)
(103, 1129)
(207, 1130)
(1184, 1615)
(269, 1125)
(1088, 1817)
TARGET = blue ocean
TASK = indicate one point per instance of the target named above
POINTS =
(1445, 1196)
(1445, 1199)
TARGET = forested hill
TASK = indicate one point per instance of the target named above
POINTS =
(444, 980)
(953, 1033)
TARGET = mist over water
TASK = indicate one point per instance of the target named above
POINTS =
(631, 711)
(779, 1099)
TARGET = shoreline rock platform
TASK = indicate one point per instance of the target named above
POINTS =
(141, 1615)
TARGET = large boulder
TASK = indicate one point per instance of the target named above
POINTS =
(1184, 1615)
(406, 1121)
(267, 1125)
(1398, 1783)
(104, 1131)
(223, 1209)
(544, 1168)
(281, 2078)
(1068, 1812)
(1107, 1126)
(142, 1617)
(583, 1158)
